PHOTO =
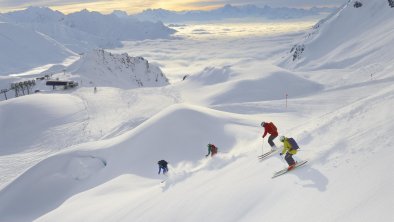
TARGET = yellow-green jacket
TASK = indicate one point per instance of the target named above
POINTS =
(287, 147)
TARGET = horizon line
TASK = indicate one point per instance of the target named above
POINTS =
(67, 10)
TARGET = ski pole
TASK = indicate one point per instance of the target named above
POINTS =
(281, 157)
(262, 147)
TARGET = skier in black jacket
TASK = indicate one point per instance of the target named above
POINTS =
(163, 165)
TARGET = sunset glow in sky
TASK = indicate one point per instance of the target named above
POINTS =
(135, 6)
(108, 6)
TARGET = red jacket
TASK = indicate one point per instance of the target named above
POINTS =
(271, 129)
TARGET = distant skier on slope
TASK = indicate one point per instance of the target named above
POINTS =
(212, 149)
(163, 166)
(289, 148)
(272, 130)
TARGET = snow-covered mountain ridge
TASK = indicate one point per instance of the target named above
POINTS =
(122, 71)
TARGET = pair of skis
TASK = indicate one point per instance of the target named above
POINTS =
(267, 154)
(280, 172)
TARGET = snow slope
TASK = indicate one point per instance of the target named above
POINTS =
(342, 122)
(35, 127)
(331, 45)
(121, 170)
(42, 112)
(229, 85)
(17, 54)
(82, 117)
(81, 166)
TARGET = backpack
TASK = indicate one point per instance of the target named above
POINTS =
(214, 149)
(293, 143)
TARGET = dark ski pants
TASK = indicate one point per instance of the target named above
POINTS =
(165, 170)
(289, 159)
(271, 140)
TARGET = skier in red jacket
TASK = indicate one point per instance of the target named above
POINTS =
(271, 129)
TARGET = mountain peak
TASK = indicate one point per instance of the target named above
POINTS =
(38, 9)
(120, 13)
(119, 70)
(35, 14)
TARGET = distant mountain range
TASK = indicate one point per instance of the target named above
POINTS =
(230, 12)
(39, 35)
(85, 30)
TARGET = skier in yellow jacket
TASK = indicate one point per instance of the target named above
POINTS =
(289, 150)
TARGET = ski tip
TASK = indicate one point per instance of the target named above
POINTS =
(284, 171)
(302, 162)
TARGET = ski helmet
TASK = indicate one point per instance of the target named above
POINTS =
(282, 138)
(262, 124)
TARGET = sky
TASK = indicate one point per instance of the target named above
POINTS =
(135, 6)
